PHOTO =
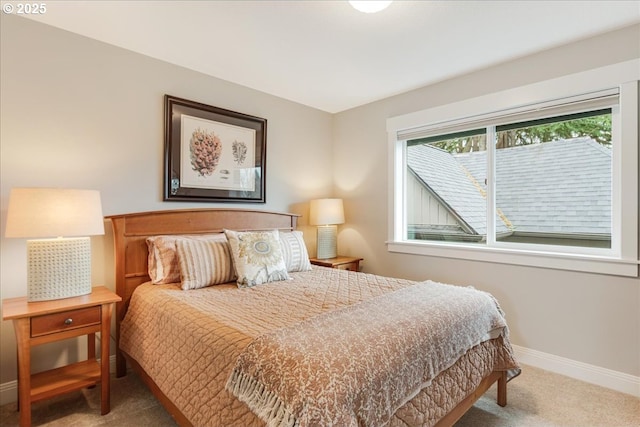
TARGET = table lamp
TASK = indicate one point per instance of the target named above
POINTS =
(59, 222)
(326, 214)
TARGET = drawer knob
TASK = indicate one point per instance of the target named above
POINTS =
(68, 321)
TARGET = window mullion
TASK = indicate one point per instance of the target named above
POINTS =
(401, 204)
(491, 186)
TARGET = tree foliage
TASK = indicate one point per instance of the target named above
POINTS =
(597, 128)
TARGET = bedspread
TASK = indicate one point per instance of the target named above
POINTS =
(358, 365)
(188, 342)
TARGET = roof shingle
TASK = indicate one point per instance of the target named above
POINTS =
(561, 186)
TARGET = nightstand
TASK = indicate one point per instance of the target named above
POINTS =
(339, 262)
(49, 321)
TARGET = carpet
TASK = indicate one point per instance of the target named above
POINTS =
(536, 398)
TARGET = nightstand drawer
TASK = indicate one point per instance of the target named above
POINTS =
(57, 322)
(352, 266)
(339, 262)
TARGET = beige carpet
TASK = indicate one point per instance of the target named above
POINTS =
(536, 398)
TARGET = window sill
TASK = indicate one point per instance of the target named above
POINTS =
(582, 263)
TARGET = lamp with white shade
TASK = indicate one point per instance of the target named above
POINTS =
(58, 223)
(326, 214)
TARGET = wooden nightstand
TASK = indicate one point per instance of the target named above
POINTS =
(48, 321)
(340, 262)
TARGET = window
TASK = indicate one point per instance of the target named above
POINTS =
(552, 183)
(549, 183)
(446, 187)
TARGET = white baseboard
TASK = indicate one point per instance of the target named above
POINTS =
(9, 390)
(592, 374)
(608, 378)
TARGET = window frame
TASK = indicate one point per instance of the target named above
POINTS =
(621, 259)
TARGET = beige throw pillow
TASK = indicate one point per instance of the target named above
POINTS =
(204, 263)
(257, 257)
(163, 260)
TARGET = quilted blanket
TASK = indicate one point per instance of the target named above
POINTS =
(189, 342)
(358, 365)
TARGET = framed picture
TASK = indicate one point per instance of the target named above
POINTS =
(212, 154)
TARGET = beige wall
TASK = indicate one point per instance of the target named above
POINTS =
(80, 113)
(589, 318)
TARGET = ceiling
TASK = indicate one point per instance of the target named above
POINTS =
(329, 56)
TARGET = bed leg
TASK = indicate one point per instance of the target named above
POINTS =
(121, 364)
(502, 389)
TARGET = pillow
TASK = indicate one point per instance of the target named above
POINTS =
(257, 257)
(163, 259)
(296, 257)
(204, 262)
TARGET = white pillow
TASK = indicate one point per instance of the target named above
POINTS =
(204, 263)
(296, 257)
(257, 257)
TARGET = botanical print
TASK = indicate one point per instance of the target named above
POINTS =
(216, 155)
(239, 152)
(205, 149)
(260, 249)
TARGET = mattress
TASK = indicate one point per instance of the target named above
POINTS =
(189, 341)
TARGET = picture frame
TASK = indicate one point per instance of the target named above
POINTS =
(212, 154)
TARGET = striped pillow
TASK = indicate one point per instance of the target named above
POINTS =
(163, 259)
(294, 250)
(204, 263)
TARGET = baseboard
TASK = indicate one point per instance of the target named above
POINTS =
(592, 374)
(9, 390)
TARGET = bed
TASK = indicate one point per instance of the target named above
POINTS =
(230, 355)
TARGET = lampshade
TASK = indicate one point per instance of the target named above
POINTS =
(59, 267)
(54, 212)
(371, 6)
(326, 212)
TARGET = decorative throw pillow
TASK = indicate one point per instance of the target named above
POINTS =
(204, 263)
(296, 257)
(163, 259)
(257, 257)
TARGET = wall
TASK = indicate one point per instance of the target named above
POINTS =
(82, 114)
(588, 318)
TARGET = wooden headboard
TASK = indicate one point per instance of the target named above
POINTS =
(131, 230)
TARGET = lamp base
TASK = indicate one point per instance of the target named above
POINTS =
(58, 268)
(327, 241)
